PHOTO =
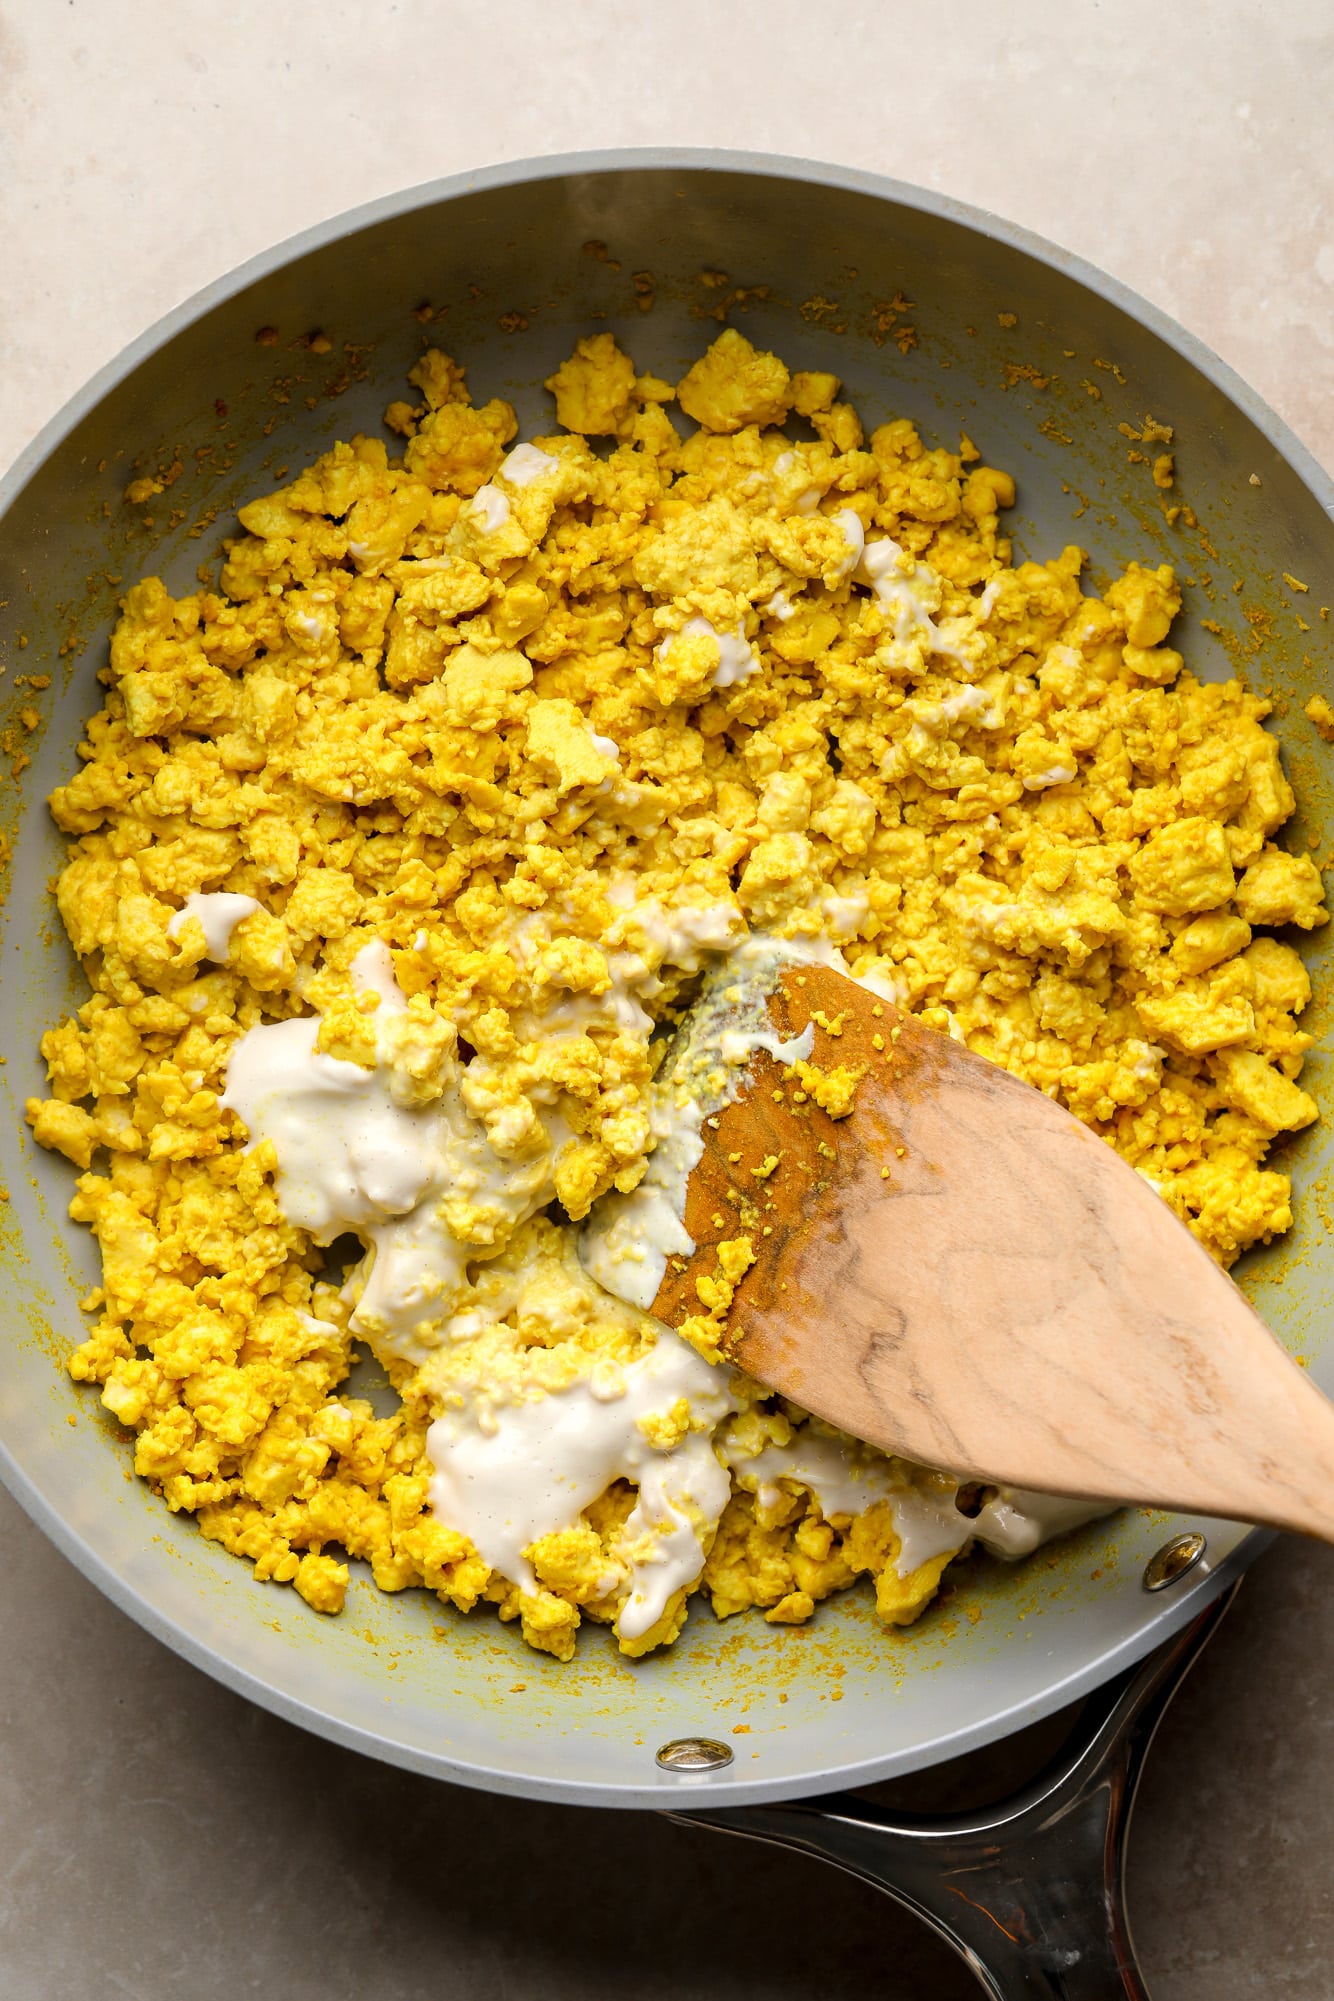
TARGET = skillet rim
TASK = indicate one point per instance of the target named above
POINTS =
(1181, 1608)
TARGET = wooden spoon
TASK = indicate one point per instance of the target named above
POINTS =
(960, 1272)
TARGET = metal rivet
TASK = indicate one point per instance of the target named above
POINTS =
(1173, 1560)
(694, 1754)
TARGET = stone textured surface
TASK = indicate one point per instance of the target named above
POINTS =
(145, 150)
(161, 1837)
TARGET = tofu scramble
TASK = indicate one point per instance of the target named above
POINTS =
(393, 852)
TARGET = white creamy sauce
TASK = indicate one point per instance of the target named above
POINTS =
(491, 508)
(372, 972)
(1013, 1523)
(910, 591)
(572, 1014)
(431, 1185)
(736, 659)
(628, 1239)
(607, 745)
(1055, 774)
(532, 1468)
(631, 982)
(780, 606)
(525, 464)
(970, 705)
(855, 537)
(355, 1153)
(348, 1155)
(218, 914)
(686, 935)
(896, 581)
(315, 1325)
(846, 1479)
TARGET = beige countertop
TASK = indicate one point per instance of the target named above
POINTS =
(162, 1837)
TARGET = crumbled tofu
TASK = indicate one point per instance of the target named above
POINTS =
(482, 715)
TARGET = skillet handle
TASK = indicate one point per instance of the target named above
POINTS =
(1029, 1892)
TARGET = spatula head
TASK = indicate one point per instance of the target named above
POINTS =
(959, 1271)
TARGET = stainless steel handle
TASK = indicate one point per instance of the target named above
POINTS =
(1030, 1892)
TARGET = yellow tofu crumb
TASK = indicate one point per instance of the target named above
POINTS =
(735, 384)
(1322, 715)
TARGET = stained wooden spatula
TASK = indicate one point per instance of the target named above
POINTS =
(960, 1272)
